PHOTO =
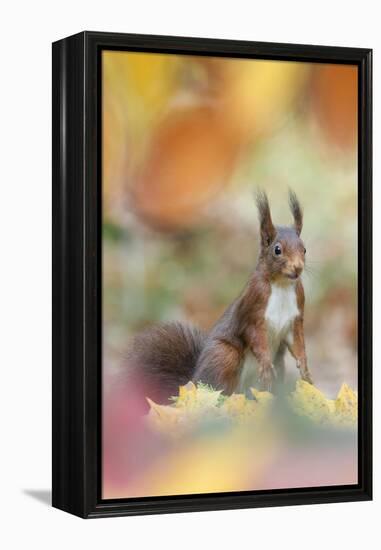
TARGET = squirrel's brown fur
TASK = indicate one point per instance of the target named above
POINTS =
(169, 355)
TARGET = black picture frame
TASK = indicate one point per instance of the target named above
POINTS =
(77, 273)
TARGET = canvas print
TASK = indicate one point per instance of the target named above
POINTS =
(229, 274)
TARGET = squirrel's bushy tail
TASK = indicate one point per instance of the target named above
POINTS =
(163, 357)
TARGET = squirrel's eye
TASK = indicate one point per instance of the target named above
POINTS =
(305, 251)
(277, 250)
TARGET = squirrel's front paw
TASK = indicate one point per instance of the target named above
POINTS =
(307, 377)
(266, 378)
(304, 372)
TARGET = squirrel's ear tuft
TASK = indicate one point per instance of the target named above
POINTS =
(268, 231)
(296, 210)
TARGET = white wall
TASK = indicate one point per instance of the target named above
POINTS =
(27, 29)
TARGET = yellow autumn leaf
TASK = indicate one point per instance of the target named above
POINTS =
(263, 397)
(235, 404)
(308, 401)
(346, 405)
(197, 397)
(238, 408)
(195, 403)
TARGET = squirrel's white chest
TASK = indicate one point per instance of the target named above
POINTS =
(282, 308)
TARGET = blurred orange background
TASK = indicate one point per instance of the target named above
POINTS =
(186, 141)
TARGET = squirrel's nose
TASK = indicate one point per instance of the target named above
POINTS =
(298, 269)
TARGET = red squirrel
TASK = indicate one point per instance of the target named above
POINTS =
(247, 345)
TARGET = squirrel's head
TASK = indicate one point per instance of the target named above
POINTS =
(282, 249)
